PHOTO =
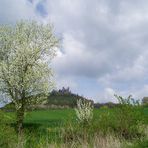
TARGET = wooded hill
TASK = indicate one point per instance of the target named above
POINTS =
(62, 98)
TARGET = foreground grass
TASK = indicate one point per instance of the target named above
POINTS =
(44, 128)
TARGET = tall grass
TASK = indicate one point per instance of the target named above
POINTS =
(120, 127)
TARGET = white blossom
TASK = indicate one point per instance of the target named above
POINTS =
(84, 111)
(26, 50)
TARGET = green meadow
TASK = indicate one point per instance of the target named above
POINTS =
(49, 124)
(58, 117)
(123, 125)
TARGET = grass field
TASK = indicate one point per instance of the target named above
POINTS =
(40, 125)
(57, 117)
(47, 116)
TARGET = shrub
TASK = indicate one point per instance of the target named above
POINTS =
(80, 129)
(104, 123)
(124, 120)
(84, 112)
(129, 117)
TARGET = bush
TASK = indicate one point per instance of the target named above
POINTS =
(84, 112)
(81, 127)
(104, 123)
(129, 118)
(125, 121)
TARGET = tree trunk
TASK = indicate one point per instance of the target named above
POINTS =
(20, 119)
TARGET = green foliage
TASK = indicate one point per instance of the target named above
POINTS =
(137, 143)
(129, 117)
(104, 122)
(8, 136)
(80, 127)
(141, 144)
(145, 101)
(66, 100)
(44, 127)
(9, 107)
(124, 120)
(74, 132)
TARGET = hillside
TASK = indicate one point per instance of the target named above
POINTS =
(62, 98)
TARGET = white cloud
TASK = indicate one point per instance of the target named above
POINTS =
(102, 40)
(105, 41)
(12, 11)
(65, 82)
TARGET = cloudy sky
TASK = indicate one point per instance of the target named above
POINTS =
(104, 43)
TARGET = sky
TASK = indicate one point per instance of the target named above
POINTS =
(103, 43)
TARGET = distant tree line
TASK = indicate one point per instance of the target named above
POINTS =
(145, 101)
(64, 98)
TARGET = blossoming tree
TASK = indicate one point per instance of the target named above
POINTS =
(26, 50)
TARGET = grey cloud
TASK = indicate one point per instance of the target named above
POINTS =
(100, 39)
(107, 36)
(113, 33)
